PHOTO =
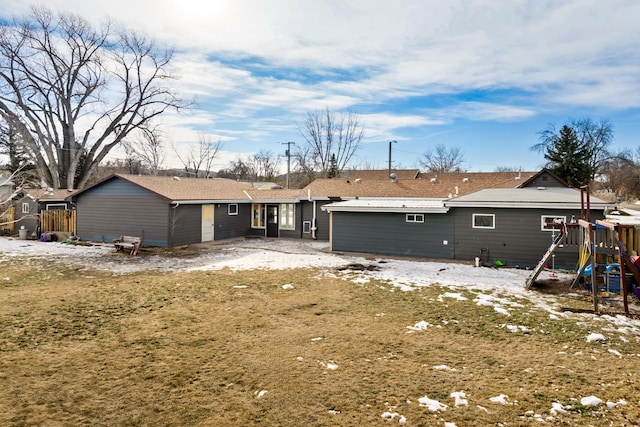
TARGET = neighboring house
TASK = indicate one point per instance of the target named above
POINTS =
(30, 202)
(172, 211)
(380, 174)
(6, 189)
(493, 216)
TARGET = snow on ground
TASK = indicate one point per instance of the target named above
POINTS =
(503, 288)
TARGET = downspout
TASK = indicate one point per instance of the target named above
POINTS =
(313, 216)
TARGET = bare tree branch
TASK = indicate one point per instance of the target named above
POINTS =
(76, 92)
(329, 137)
(443, 159)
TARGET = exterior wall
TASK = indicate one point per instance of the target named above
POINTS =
(516, 240)
(322, 222)
(231, 226)
(390, 234)
(545, 179)
(322, 219)
(117, 208)
(185, 225)
(31, 220)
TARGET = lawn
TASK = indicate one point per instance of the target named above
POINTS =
(300, 347)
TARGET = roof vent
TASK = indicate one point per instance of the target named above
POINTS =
(177, 178)
(465, 179)
(542, 188)
(434, 180)
(393, 176)
(358, 180)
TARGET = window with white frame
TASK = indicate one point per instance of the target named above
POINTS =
(55, 206)
(232, 209)
(487, 221)
(551, 222)
(287, 216)
(258, 213)
(25, 208)
(415, 218)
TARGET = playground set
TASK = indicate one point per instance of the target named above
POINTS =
(605, 263)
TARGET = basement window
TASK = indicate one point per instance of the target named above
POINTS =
(415, 218)
(487, 221)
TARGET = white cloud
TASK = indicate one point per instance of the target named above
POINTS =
(257, 67)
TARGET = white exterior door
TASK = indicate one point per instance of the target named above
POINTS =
(207, 223)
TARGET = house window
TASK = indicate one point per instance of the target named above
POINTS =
(306, 227)
(287, 216)
(258, 211)
(415, 218)
(232, 209)
(55, 206)
(484, 221)
(548, 221)
(25, 208)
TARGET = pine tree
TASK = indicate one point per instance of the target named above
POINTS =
(569, 158)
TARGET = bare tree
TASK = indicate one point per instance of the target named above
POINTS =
(265, 165)
(620, 174)
(148, 147)
(442, 159)
(199, 160)
(75, 92)
(239, 170)
(330, 140)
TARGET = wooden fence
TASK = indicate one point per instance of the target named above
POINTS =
(58, 220)
(7, 220)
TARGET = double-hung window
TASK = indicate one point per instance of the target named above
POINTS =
(287, 216)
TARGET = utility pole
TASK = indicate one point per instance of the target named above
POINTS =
(288, 154)
(390, 142)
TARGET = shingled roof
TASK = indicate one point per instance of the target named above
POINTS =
(380, 173)
(428, 185)
(198, 189)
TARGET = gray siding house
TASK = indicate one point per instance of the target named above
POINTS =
(509, 223)
(172, 211)
(405, 227)
(514, 225)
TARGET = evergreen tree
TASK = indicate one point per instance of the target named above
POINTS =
(333, 171)
(569, 158)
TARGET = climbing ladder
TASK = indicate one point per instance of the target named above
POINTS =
(540, 266)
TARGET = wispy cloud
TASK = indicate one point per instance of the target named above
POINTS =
(408, 67)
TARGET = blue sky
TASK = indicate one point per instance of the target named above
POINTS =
(479, 75)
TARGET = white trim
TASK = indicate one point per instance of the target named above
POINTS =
(262, 213)
(417, 218)
(231, 212)
(48, 206)
(284, 216)
(552, 217)
(493, 221)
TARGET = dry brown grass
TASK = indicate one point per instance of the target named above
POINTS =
(174, 349)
